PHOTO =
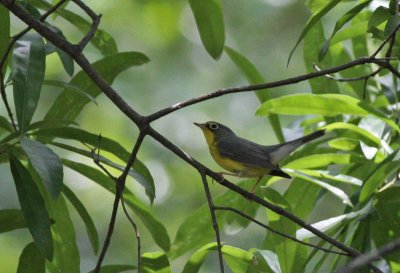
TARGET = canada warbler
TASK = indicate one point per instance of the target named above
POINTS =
(244, 158)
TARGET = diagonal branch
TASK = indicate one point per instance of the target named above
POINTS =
(213, 218)
(365, 259)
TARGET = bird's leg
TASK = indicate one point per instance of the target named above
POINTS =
(255, 185)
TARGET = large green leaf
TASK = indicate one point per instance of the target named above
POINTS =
(380, 15)
(312, 42)
(28, 67)
(197, 259)
(68, 105)
(46, 163)
(253, 76)
(155, 262)
(31, 260)
(5, 31)
(83, 213)
(101, 40)
(322, 104)
(315, 17)
(328, 224)
(360, 133)
(341, 22)
(210, 23)
(140, 172)
(266, 262)
(66, 252)
(33, 207)
(334, 190)
(323, 160)
(11, 219)
(156, 229)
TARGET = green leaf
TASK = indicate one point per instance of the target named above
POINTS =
(33, 207)
(267, 259)
(70, 87)
(385, 224)
(156, 229)
(315, 17)
(66, 252)
(31, 260)
(392, 23)
(115, 268)
(155, 262)
(5, 32)
(380, 15)
(382, 171)
(342, 178)
(102, 40)
(344, 143)
(322, 160)
(46, 163)
(68, 105)
(314, 40)
(11, 219)
(360, 133)
(322, 104)
(140, 172)
(355, 30)
(334, 190)
(83, 213)
(253, 76)
(210, 23)
(197, 259)
(328, 224)
(340, 23)
(28, 67)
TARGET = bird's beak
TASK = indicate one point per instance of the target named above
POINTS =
(201, 125)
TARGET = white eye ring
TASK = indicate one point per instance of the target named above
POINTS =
(213, 126)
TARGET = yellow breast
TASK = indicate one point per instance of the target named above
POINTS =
(236, 167)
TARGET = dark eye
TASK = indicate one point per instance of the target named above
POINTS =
(213, 126)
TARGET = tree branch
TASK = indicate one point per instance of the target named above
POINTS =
(365, 259)
(213, 218)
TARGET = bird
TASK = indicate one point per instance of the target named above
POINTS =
(244, 158)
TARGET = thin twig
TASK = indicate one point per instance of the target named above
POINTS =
(93, 28)
(278, 232)
(360, 78)
(120, 185)
(139, 244)
(385, 41)
(213, 218)
(5, 100)
(375, 254)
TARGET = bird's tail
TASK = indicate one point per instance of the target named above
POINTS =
(283, 150)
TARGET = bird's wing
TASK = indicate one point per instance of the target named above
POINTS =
(245, 151)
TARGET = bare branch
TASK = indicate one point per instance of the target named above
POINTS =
(95, 23)
(139, 244)
(213, 218)
(246, 88)
(360, 78)
(278, 232)
(120, 185)
(365, 259)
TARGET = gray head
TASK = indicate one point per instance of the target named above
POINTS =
(214, 129)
